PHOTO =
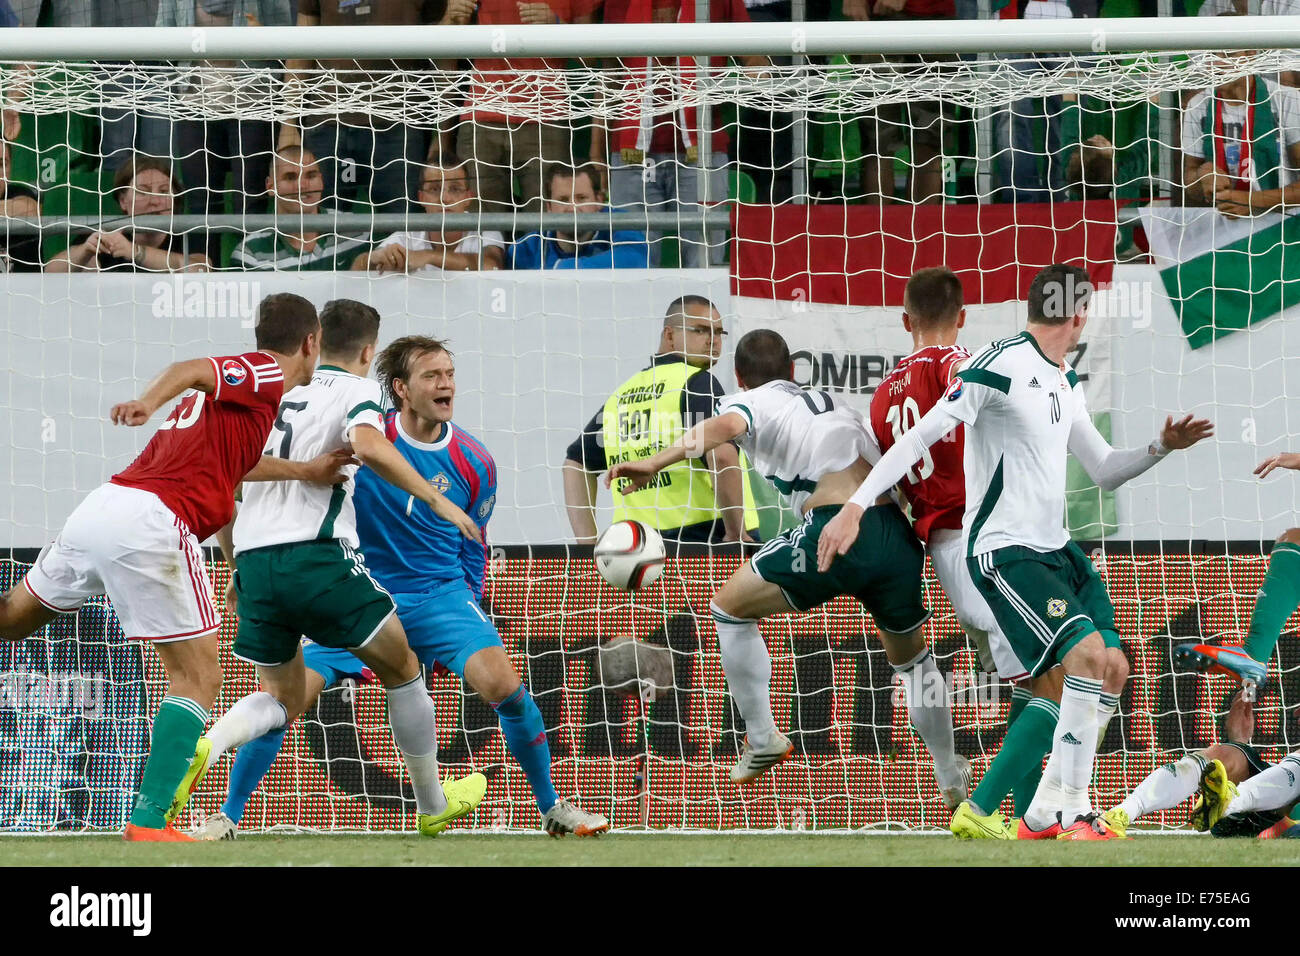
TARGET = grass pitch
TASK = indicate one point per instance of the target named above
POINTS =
(640, 849)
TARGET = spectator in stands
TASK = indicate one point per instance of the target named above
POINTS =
(445, 187)
(362, 156)
(297, 185)
(144, 186)
(1118, 160)
(924, 128)
(1221, 167)
(698, 500)
(764, 147)
(499, 144)
(19, 201)
(1030, 151)
(122, 131)
(209, 150)
(570, 191)
(655, 161)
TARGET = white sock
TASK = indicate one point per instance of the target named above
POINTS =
(1069, 768)
(247, 719)
(1107, 707)
(748, 669)
(1165, 787)
(1276, 787)
(410, 715)
(931, 712)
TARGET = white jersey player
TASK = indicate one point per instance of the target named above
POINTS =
(1023, 408)
(313, 419)
(815, 453)
(297, 571)
(793, 437)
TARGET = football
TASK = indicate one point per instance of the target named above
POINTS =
(630, 555)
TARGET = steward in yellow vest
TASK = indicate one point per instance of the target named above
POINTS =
(700, 500)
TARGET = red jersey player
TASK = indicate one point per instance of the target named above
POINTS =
(136, 538)
(936, 487)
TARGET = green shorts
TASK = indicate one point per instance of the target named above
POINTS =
(1045, 602)
(320, 589)
(882, 569)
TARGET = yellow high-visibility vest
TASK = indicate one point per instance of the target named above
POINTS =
(642, 417)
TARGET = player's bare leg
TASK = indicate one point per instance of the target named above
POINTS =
(21, 615)
(930, 711)
(1112, 687)
(194, 678)
(193, 668)
(490, 674)
(737, 608)
(411, 717)
(1062, 797)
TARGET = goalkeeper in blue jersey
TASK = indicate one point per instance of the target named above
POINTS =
(435, 576)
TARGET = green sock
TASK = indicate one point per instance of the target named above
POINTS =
(1020, 697)
(1022, 794)
(1024, 745)
(1278, 597)
(176, 731)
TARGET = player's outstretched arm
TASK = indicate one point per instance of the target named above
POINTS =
(324, 469)
(226, 541)
(729, 490)
(378, 454)
(842, 530)
(580, 501)
(174, 379)
(1288, 459)
(1111, 467)
(696, 443)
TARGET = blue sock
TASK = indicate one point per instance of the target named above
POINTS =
(521, 722)
(252, 762)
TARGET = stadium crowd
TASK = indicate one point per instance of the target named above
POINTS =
(120, 162)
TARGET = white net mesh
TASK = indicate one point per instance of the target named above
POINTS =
(1006, 152)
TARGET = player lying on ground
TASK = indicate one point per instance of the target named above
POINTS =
(815, 454)
(1272, 793)
(296, 571)
(435, 574)
(1172, 784)
(1276, 601)
(936, 493)
(137, 537)
(1023, 408)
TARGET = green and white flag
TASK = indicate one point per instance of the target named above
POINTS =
(1223, 274)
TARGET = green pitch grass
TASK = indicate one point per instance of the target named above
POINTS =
(632, 849)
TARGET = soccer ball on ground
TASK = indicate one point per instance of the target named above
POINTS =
(630, 555)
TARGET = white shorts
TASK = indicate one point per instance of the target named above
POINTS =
(947, 551)
(124, 542)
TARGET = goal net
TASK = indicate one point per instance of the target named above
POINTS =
(818, 186)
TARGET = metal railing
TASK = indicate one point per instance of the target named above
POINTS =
(716, 217)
